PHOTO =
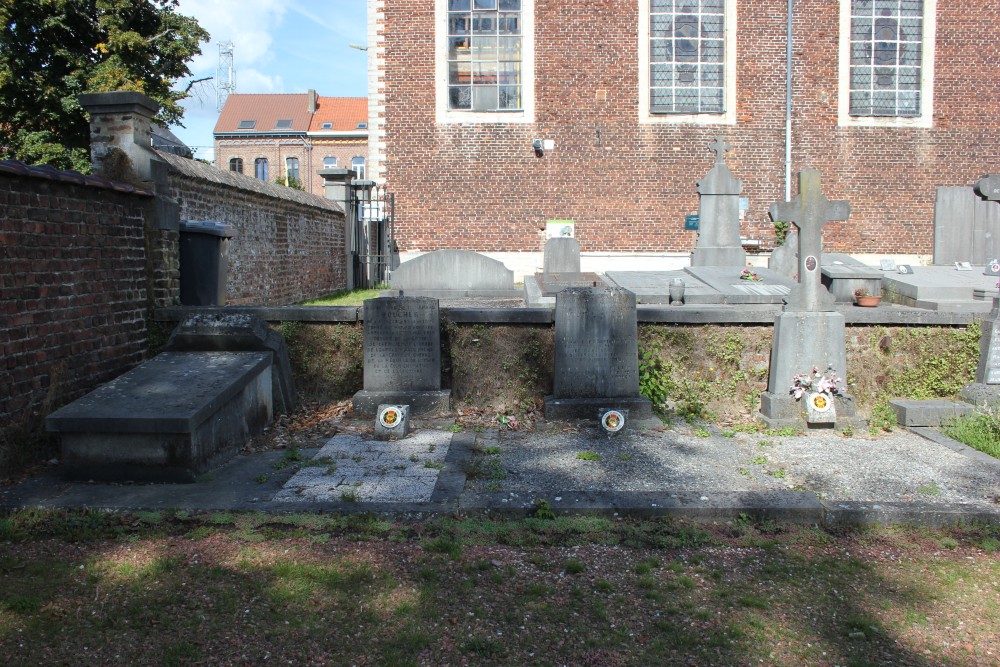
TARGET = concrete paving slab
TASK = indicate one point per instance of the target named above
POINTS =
(919, 477)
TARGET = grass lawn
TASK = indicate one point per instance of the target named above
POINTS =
(346, 298)
(175, 589)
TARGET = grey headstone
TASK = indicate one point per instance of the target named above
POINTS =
(988, 370)
(803, 341)
(719, 215)
(784, 259)
(966, 228)
(232, 332)
(452, 270)
(809, 211)
(596, 354)
(402, 349)
(168, 420)
(562, 255)
(988, 187)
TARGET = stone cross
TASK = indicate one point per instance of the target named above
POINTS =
(720, 147)
(809, 211)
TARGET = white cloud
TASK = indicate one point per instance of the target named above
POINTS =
(248, 24)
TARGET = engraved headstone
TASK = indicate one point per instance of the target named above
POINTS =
(809, 211)
(562, 255)
(596, 355)
(719, 215)
(402, 350)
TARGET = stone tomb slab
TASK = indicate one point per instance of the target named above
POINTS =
(725, 280)
(168, 420)
(940, 287)
(353, 468)
(654, 286)
(551, 284)
(842, 278)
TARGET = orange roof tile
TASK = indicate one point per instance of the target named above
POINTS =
(266, 111)
(344, 112)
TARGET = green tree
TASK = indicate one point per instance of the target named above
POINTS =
(53, 50)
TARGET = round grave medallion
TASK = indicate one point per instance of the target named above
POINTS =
(820, 402)
(389, 417)
(612, 421)
(811, 263)
(995, 267)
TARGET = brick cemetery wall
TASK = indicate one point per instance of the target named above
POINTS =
(628, 185)
(288, 245)
(73, 291)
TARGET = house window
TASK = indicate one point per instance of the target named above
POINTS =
(886, 62)
(247, 124)
(687, 67)
(292, 168)
(485, 60)
(329, 162)
(236, 164)
(358, 165)
(260, 168)
(283, 124)
(327, 126)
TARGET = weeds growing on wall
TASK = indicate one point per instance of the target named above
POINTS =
(327, 359)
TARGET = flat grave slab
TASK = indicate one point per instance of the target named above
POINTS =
(551, 284)
(725, 280)
(168, 420)
(939, 283)
(654, 286)
(350, 468)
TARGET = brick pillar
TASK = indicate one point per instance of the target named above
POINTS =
(121, 120)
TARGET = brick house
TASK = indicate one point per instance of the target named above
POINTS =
(888, 98)
(274, 137)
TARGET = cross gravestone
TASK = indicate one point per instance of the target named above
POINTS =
(809, 333)
(810, 211)
(596, 355)
(402, 364)
(719, 215)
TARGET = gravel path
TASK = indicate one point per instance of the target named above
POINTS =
(890, 468)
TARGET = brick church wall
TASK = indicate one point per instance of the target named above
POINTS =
(628, 185)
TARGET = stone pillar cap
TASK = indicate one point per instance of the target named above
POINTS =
(119, 100)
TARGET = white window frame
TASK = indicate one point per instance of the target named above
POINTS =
(926, 117)
(728, 117)
(445, 115)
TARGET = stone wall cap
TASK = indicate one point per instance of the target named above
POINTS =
(207, 172)
(50, 173)
(119, 100)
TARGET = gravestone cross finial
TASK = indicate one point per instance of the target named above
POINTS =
(809, 211)
(719, 146)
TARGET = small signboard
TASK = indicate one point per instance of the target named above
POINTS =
(904, 268)
(691, 222)
(888, 264)
(559, 229)
(992, 268)
(963, 266)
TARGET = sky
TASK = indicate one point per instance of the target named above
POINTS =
(279, 46)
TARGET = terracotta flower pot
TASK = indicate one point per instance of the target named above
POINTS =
(868, 301)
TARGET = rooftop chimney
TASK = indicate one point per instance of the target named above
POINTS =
(313, 100)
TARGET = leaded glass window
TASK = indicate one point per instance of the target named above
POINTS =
(886, 45)
(687, 56)
(484, 55)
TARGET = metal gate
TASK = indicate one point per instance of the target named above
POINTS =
(374, 242)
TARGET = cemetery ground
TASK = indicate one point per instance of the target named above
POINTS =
(174, 587)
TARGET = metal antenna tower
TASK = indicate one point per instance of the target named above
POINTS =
(225, 77)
